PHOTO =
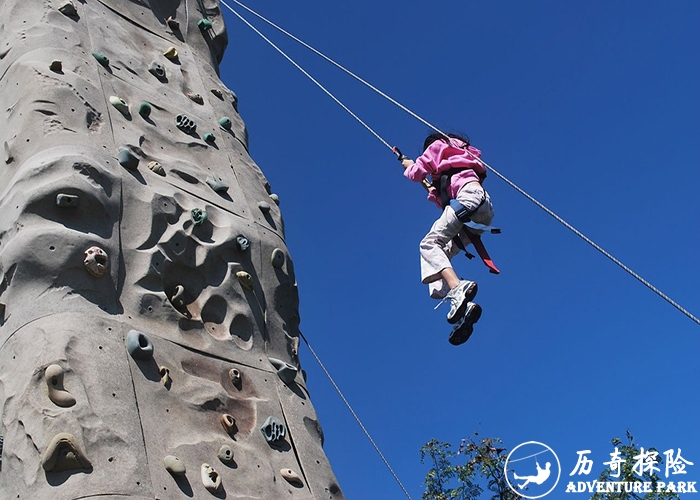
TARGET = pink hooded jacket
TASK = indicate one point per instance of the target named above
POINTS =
(442, 156)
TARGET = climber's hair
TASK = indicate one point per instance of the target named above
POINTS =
(437, 136)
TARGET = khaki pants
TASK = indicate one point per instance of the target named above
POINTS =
(437, 248)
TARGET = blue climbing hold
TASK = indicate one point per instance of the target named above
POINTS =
(128, 159)
(139, 345)
(186, 124)
(199, 216)
(273, 430)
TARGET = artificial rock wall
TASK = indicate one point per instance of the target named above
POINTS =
(148, 304)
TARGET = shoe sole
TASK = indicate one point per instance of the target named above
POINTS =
(468, 297)
(462, 333)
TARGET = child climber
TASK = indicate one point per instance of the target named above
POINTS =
(456, 174)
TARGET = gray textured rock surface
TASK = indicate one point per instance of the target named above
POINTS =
(80, 416)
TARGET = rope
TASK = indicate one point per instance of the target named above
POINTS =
(357, 419)
(593, 244)
(307, 75)
(338, 65)
(425, 122)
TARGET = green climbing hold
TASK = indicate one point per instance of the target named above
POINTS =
(101, 58)
(209, 137)
(204, 24)
(120, 104)
(145, 109)
(199, 216)
(225, 122)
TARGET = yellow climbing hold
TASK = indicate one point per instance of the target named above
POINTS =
(171, 53)
(245, 279)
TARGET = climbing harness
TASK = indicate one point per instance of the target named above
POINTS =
(476, 241)
(432, 127)
(471, 230)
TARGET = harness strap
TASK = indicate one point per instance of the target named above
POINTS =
(464, 216)
(481, 250)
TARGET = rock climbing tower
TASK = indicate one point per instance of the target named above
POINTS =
(148, 305)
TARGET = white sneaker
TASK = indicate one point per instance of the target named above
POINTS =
(459, 297)
(465, 326)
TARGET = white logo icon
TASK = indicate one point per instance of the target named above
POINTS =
(530, 470)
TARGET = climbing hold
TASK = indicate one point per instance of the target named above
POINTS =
(235, 375)
(157, 70)
(217, 184)
(225, 454)
(177, 299)
(67, 200)
(210, 478)
(242, 243)
(225, 122)
(7, 153)
(101, 58)
(57, 393)
(277, 258)
(234, 100)
(295, 346)
(285, 371)
(56, 65)
(156, 167)
(171, 53)
(64, 453)
(292, 477)
(275, 198)
(165, 376)
(174, 465)
(139, 345)
(120, 104)
(204, 24)
(273, 430)
(67, 8)
(199, 216)
(264, 206)
(96, 261)
(218, 93)
(145, 109)
(196, 97)
(128, 159)
(228, 423)
(209, 137)
(245, 279)
(185, 124)
(172, 23)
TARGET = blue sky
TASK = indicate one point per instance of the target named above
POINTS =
(591, 107)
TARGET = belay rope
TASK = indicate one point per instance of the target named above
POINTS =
(422, 120)
(383, 141)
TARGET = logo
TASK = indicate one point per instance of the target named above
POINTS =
(532, 470)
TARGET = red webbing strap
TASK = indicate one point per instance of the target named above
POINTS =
(481, 250)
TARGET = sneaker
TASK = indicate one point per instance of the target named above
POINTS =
(459, 297)
(464, 328)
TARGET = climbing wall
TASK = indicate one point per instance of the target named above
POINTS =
(148, 305)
